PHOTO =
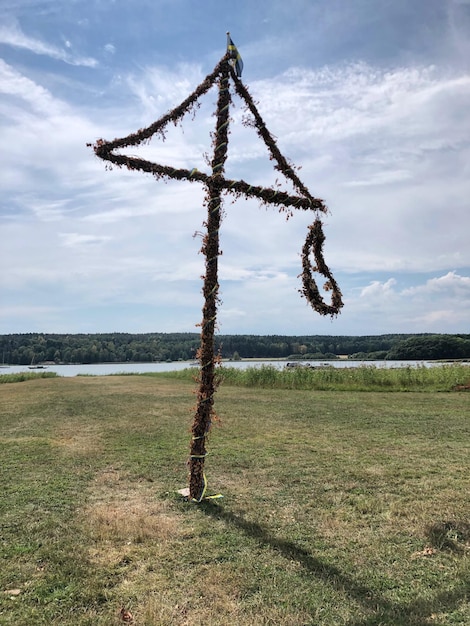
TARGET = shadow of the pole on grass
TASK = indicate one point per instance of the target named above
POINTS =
(417, 613)
(289, 550)
(452, 535)
(385, 613)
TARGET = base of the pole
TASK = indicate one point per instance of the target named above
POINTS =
(185, 493)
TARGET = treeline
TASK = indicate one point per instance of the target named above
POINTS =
(25, 349)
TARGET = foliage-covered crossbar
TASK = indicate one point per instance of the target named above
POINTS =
(216, 184)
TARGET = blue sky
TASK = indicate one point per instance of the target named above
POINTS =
(370, 98)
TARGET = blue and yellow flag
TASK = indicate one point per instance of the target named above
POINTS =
(235, 56)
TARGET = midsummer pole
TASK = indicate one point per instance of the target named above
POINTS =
(210, 249)
(229, 67)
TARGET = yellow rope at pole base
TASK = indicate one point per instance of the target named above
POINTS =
(203, 492)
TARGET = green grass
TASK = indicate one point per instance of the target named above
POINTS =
(364, 378)
(22, 376)
(344, 509)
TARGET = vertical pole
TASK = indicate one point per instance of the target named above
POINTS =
(210, 249)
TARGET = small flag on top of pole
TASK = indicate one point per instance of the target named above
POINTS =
(235, 56)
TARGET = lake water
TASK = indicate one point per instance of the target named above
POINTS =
(104, 369)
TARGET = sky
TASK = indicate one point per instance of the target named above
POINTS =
(368, 98)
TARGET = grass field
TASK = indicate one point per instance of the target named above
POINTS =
(340, 508)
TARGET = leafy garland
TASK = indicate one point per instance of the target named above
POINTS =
(269, 196)
(215, 184)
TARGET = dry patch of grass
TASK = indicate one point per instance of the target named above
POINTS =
(84, 441)
(212, 598)
(149, 543)
(122, 513)
(78, 439)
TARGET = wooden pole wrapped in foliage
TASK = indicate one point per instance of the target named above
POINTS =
(216, 184)
(210, 249)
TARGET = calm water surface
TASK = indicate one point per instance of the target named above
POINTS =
(104, 369)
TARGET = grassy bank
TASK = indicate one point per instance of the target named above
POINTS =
(22, 376)
(364, 378)
(339, 509)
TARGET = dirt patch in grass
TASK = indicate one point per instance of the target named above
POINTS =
(211, 599)
(83, 440)
(143, 539)
(122, 514)
(73, 439)
(68, 438)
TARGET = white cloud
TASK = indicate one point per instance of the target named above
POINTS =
(381, 178)
(376, 289)
(451, 284)
(27, 312)
(12, 35)
(440, 304)
(79, 239)
(407, 110)
(160, 88)
(442, 318)
(13, 83)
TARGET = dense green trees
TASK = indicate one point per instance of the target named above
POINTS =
(97, 348)
(431, 347)
(23, 349)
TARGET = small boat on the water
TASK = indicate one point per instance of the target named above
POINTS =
(36, 366)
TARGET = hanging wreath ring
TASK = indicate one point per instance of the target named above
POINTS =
(314, 244)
